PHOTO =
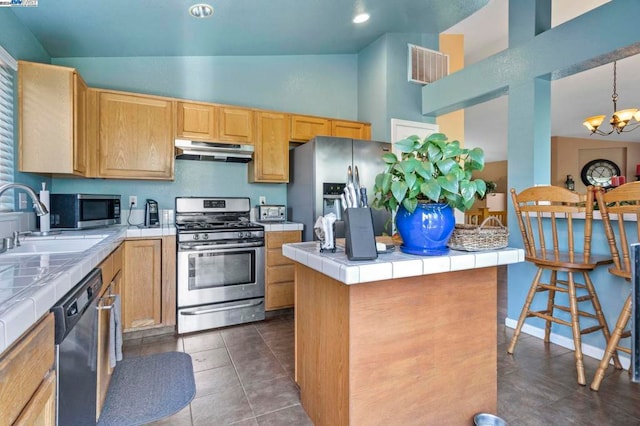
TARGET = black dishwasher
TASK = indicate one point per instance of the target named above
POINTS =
(76, 352)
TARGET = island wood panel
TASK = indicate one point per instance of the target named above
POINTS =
(411, 351)
(322, 346)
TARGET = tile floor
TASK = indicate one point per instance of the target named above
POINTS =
(244, 376)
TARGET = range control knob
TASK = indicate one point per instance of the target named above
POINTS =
(196, 236)
(205, 236)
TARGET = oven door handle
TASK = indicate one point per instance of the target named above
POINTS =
(223, 308)
(211, 247)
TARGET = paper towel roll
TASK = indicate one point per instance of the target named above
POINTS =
(45, 221)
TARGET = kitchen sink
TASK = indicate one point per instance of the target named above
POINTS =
(52, 246)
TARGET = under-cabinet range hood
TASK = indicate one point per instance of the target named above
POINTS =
(211, 151)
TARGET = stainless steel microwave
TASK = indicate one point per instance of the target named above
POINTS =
(81, 211)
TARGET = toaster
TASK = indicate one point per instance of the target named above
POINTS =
(272, 213)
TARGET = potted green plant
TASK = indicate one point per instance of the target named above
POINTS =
(430, 179)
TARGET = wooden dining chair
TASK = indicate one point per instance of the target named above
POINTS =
(620, 211)
(562, 255)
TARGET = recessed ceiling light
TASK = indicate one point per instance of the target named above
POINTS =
(359, 19)
(201, 10)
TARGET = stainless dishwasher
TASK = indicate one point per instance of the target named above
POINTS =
(76, 328)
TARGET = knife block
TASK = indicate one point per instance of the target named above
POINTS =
(360, 240)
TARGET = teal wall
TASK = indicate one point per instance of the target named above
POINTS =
(383, 90)
(537, 55)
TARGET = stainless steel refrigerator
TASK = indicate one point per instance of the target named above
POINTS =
(318, 171)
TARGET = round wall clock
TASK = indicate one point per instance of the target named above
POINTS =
(599, 172)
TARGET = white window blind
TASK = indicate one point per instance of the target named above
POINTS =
(8, 68)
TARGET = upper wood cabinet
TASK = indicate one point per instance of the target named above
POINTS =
(350, 129)
(52, 102)
(271, 152)
(196, 121)
(304, 127)
(135, 136)
(235, 125)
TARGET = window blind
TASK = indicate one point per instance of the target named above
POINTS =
(8, 68)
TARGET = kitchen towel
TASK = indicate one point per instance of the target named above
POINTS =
(115, 332)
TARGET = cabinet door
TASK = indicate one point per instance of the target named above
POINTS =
(235, 125)
(304, 127)
(135, 137)
(271, 156)
(46, 109)
(141, 286)
(80, 141)
(41, 409)
(280, 271)
(196, 121)
(350, 129)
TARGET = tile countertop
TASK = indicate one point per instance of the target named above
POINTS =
(395, 264)
(31, 284)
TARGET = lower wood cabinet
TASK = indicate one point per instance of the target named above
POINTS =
(148, 289)
(27, 378)
(111, 277)
(142, 293)
(279, 277)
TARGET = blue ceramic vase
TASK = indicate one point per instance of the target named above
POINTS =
(427, 230)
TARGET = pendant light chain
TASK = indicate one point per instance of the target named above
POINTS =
(614, 96)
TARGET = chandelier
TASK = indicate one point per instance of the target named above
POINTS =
(619, 120)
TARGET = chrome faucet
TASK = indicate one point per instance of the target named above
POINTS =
(40, 208)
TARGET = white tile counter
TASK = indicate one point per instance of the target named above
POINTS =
(395, 264)
(31, 284)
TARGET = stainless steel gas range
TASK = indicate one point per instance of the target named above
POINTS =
(220, 263)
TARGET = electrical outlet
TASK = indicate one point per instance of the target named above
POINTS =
(22, 200)
(263, 200)
(133, 201)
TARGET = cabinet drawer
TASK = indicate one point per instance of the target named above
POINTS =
(281, 273)
(280, 295)
(117, 259)
(23, 368)
(276, 258)
(276, 239)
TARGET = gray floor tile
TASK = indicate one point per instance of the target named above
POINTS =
(181, 418)
(203, 341)
(216, 380)
(213, 358)
(272, 395)
(291, 416)
(221, 408)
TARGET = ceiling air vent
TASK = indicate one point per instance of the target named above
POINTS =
(426, 65)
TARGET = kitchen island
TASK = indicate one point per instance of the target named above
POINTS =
(402, 339)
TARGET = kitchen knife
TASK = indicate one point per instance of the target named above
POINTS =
(363, 197)
(352, 195)
(357, 186)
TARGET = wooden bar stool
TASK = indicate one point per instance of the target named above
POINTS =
(546, 220)
(615, 206)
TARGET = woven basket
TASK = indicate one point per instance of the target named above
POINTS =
(482, 237)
